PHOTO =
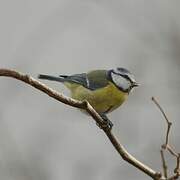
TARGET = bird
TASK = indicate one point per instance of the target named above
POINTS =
(105, 90)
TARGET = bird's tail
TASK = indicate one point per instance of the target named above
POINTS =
(52, 78)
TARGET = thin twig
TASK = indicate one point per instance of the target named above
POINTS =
(164, 164)
(171, 150)
(166, 118)
(86, 106)
(168, 147)
(177, 169)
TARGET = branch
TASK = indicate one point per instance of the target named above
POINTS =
(164, 164)
(168, 147)
(86, 106)
(169, 124)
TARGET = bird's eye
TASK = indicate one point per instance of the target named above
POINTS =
(120, 81)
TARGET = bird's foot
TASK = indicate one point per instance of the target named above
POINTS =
(107, 124)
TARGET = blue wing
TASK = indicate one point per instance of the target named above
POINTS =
(93, 80)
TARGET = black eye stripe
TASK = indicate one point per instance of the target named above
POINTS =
(127, 77)
(123, 75)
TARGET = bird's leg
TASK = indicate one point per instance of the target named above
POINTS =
(106, 123)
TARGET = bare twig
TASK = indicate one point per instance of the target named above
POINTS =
(86, 106)
(177, 169)
(171, 150)
(164, 164)
(166, 118)
(168, 147)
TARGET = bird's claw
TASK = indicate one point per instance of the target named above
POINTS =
(107, 124)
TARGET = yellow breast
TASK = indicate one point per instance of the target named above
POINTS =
(103, 100)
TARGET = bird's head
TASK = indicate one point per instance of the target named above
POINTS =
(123, 79)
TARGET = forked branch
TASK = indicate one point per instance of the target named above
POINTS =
(167, 147)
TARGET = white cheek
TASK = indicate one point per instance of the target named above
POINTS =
(121, 81)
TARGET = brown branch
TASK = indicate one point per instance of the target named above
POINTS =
(166, 118)
(168, 147)
(86, 106)
(170, 150)
(164, 165)
(177, 169)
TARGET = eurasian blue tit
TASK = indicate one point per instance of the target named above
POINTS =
(105, 90)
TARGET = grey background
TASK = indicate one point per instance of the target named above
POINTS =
(41, 139)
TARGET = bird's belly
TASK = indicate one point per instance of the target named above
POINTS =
(103, 100)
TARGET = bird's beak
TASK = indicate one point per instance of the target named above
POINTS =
(135, 84)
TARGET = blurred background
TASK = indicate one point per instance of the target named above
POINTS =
(42, 139)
